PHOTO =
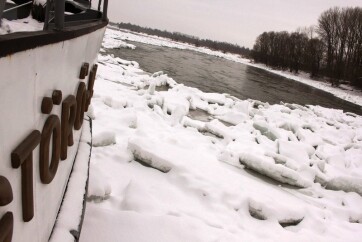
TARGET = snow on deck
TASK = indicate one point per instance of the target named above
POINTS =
(172, 163)
(19, 25)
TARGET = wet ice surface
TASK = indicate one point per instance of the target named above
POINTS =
(167, 168)
(199, 114)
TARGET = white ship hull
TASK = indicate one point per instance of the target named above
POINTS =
(26, 78)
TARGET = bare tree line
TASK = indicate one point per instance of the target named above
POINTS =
(180, 37)
(336, 51)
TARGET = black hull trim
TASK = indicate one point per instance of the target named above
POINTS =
(21, 41)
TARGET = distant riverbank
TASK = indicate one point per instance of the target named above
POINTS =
(344, 92)
(236, 80)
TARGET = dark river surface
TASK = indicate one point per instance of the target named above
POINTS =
(215, 74)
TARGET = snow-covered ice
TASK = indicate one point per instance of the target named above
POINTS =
(112, 41)
(248, 171)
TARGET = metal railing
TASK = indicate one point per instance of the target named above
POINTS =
(48, 8)
(18, 6)
(55, 7)
(59, 14)
(2, 6)
(105, 10)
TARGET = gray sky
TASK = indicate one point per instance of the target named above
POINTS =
(234, 21)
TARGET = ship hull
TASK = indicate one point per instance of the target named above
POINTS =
(30, 73)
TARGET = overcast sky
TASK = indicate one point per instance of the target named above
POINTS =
(234, 21)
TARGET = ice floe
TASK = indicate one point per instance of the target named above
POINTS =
(194, 166)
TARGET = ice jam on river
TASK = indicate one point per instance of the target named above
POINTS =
(172, 163)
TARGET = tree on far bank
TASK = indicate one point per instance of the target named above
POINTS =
(335, 52)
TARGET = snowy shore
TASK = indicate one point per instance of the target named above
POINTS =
(345, 92)
(172, 163)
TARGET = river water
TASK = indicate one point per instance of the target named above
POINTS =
(214, 74)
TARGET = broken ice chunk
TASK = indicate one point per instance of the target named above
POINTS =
(104, 139)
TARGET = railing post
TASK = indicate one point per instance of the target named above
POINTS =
(47, 13)
(105, 10)
(59, 14)
(99, 5)
(2, 6)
